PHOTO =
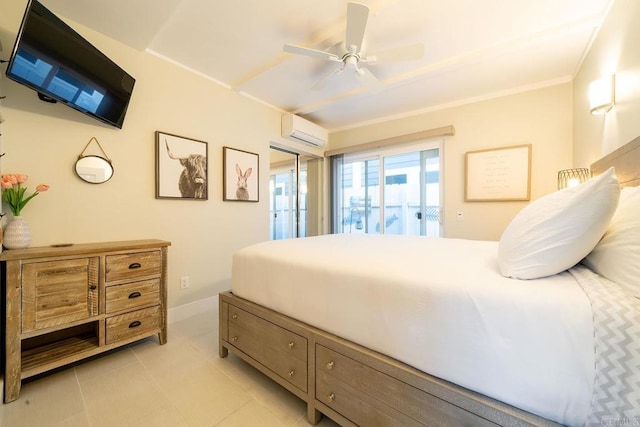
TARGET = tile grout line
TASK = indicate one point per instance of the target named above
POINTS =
(82, 397)
(159, 387)
(238, 409)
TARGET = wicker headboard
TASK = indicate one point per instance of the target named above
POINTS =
(626, 160)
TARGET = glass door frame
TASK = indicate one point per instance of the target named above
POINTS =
(294, 185)
(380, 154)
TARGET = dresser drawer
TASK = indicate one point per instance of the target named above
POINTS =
(132, 295)
(132, 266)
(283, 351)
(371, 397)
(134, 324)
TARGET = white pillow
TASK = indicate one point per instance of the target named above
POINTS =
(556, 231)
(617, 255)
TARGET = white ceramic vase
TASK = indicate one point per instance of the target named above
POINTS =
(17, 234)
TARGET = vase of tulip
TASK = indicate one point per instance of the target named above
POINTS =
(17, 234)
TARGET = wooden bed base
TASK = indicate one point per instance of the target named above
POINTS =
(356, 386)
(349, 383)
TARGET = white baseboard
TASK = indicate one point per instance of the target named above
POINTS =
(181, 312)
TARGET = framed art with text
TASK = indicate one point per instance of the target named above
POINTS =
(498, 174)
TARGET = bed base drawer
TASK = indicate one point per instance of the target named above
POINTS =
(282, 351)
(371, 397)
(284, 340)
(357, 407)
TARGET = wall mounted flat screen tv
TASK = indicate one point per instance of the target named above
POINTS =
(58, 63)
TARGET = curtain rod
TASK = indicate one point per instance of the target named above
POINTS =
(396, 140)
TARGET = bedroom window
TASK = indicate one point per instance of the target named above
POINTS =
(395, 191)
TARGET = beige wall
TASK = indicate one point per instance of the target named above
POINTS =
(615, 50)
(539, 117)
(44, 140)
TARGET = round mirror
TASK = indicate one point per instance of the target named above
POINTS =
(94, 169)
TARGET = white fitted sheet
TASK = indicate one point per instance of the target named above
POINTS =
(439, 305)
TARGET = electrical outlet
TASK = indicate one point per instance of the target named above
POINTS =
(184, 282)
(459, 216)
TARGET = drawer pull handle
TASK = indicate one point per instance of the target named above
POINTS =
(330, 365)
(93, 287)
(135, 295)
(292, 344)
(134, 265)
(135, 324)
(292, 373)
(331, 397)
(234, 339)
(234, 316)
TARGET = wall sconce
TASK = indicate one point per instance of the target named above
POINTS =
(602, 95)
(572, 177)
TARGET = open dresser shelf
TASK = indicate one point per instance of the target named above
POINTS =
(59, 353)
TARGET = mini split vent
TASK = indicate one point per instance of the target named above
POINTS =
(298, 129)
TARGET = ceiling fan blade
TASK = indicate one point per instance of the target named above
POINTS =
(404, 53)
(320, 84)
(314, 53)
(357, 15)
(366, 77)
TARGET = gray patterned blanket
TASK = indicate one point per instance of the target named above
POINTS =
(616, 318)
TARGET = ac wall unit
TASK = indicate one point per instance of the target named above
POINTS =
(298, 129)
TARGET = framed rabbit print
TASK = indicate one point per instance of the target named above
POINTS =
(240, 177)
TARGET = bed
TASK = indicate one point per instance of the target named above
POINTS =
(399, 330)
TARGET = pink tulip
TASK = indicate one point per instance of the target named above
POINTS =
(15, 196)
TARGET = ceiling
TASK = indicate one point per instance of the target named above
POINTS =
(473, 49)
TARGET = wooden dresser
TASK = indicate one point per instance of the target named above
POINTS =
(64, 304)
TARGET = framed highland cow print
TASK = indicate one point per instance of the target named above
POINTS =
(181, 167)
(240, 175)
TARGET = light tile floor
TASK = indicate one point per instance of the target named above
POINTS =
(181, 383)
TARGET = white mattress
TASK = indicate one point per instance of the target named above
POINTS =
(439, 305)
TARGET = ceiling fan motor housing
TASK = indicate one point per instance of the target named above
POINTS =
(351, 60)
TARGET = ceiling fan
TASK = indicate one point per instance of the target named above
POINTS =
(351, 52)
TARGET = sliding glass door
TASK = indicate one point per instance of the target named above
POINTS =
(294, 194)
(393, 192)
(282, 204)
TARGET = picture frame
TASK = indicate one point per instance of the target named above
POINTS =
(240, 175)
(181, 167)
(498, 174)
